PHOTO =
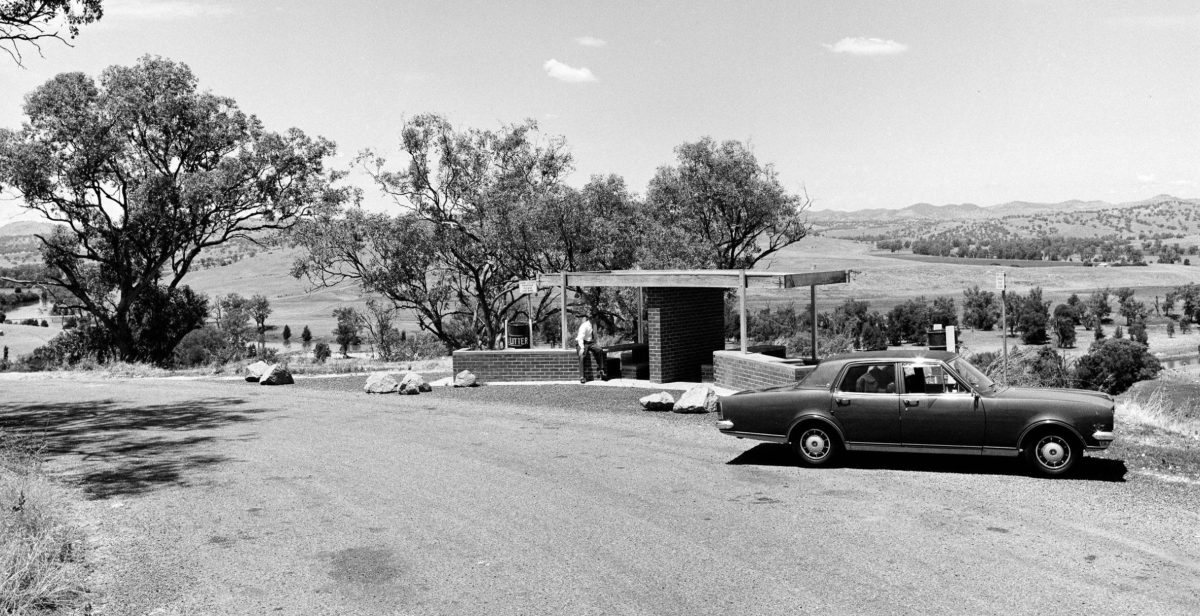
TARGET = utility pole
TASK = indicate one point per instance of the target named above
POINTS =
(1001, 284)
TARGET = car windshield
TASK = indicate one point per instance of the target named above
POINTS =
(973, 375)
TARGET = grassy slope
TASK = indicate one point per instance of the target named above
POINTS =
(21, 339)
(293, 302)
(885, 281)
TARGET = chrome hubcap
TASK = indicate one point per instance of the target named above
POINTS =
(815, 444)
(1052, 452)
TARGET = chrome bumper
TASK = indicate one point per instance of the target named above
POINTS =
(724, 424)
(1102, 438)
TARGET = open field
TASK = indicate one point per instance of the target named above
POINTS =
(22, 339)
(885, 281)
(221, 497)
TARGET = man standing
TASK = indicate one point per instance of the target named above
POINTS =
(586, 341)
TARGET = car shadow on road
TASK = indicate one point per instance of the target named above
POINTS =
(126, 450)
(1088, 469)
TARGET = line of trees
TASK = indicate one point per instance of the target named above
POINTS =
(476, 211)
(144, 172)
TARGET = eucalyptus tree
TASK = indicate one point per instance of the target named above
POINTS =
(719, 207)
(29, 23)
(143, 171)
(467, 223)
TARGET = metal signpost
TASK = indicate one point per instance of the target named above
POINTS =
(529, 288)
(1001, 284)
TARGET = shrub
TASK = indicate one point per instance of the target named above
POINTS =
(306, 335)
(32, 322)
(423, 345)
(321, 352)
(200, 347)
(44, 323)
(70, 323)
(287, 334)
(1113, 365)
(67, 349)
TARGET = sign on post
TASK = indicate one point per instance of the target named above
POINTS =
(1000, 281)
(528, 287)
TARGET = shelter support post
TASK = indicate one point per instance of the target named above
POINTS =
(742, 307)
(563, 311)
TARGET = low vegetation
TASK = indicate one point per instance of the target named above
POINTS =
(41, 549)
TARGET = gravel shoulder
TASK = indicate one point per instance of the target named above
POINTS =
(219, 497)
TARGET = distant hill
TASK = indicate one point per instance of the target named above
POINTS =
(971, 211)
(26, 227)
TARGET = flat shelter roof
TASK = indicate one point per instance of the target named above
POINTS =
(694, 278)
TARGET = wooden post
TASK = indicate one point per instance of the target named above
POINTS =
(563, 310)
(742, 306)
(812, 315)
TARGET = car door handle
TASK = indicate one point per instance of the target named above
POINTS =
(842, 401)
(911, 402)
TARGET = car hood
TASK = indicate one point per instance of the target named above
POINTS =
(1081, 396)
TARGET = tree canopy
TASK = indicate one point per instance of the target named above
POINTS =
(721, 201)
(143, 171)
(28, 23)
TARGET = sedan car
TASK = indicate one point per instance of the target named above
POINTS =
(921, 401)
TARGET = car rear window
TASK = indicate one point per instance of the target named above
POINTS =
(821, 377)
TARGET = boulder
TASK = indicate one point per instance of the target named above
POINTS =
(381, 383)
(699, 399)
(276, 375)
(464, 379)
(661, 401)
(413, 384)
(255, 371)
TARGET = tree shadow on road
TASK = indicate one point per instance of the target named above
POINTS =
(128, 450)
(1088, 469)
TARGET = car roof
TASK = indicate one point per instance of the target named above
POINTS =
(896, 354)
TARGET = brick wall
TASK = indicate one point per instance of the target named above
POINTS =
(737, 370)
(684, 326)
(521, 365)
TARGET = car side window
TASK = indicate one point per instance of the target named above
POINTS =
(871, 379)
(853, 375)
(929, 380)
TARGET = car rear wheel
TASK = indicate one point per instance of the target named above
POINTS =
(1052, 453)
(816, 444)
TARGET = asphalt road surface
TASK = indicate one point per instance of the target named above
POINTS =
(222, 497)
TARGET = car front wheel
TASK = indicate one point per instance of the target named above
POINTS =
(816, 444)
(1052, 453)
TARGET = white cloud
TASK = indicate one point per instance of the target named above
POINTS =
(591, 41)
(1185, 22)
(1181, 183)
(563, 72)
(1146, 178)
(164, 9)
(863, 46)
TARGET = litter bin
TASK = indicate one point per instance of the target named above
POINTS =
(517, 336)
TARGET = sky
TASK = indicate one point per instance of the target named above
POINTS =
(870, 104)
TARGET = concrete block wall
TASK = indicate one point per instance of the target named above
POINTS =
(522, 365)
(684, 327)
(738, 371)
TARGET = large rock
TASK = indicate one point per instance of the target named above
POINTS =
(699, 399)
(381, 383)
(413, 384)
(276, 375)
(464, 379)
(255, 371)
(661, 401)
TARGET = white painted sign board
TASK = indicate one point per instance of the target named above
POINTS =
(528, 287)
